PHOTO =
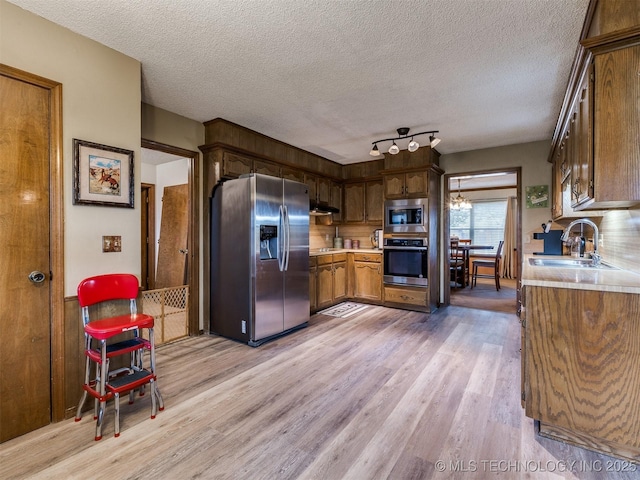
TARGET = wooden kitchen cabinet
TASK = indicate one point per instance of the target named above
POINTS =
(595, 148)
(410, 184)
(365, 279)
(581, 375)
(336, 201)
(234, 165)
(415, 297)
(363, 202)
(313, 276)
(331, 279)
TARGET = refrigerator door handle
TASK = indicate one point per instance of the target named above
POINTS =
(287, 238)
(281, 240)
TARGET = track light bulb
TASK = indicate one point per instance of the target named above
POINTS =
(393, 149)
(374, 151)
(433, 141)
(413, 145)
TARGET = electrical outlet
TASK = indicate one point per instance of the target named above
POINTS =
(601, 240)
(527, 239)
(112, 243)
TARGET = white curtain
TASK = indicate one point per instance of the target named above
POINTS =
(507, 267)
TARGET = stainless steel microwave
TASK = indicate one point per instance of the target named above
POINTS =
(408, 215)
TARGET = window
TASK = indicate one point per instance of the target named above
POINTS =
(483, 224)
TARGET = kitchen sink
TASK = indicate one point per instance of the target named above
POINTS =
(569, 263)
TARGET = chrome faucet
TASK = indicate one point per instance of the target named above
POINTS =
(565, 236)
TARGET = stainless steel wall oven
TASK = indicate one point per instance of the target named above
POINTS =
(405, 261)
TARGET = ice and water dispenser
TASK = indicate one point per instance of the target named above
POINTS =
(268, 242)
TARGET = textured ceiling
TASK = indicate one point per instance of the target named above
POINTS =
(332, 76)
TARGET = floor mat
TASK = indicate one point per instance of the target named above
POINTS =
(344, 309)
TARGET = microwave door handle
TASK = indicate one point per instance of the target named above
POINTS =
(287, 238)
(281, 242)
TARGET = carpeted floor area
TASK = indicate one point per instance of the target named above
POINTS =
(485, 296)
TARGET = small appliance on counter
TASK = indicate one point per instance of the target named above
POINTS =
(552, 242)
(376, 238)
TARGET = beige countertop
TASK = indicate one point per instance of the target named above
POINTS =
(610, 280)
(314, 252)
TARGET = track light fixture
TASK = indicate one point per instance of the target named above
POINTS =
(403, 132)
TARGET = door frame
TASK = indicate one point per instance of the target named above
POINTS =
(56, 238)
(447, 224)
(194, 228)
(151, 234)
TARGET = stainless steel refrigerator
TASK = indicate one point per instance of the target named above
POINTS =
(259, 258)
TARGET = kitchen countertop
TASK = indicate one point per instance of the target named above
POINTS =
(609, 280)
(314, 252)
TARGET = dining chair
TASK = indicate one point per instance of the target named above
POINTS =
(465, 255)
(456, 263)
(493, 263)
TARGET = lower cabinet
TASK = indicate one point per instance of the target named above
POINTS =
(580, 369)
(330, 279)
(365, 276)
(313, 269)
(416, 297)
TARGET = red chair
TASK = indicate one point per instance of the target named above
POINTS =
(106, 383)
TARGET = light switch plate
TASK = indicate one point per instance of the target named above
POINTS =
(112, 243)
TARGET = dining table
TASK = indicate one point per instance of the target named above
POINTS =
(466, 248)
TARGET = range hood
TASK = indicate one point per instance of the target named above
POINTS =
(318, 209)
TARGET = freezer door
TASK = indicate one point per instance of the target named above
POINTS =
(268, 308)
(296, 278)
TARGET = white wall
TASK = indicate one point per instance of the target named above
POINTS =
(100, 103)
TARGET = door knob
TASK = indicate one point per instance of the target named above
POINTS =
(36, 277)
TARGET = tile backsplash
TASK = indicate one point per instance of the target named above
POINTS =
(620, 232)
(321, 236)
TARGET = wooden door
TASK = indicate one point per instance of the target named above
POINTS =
(394, 185)
(417, 184)
(25, 315)
(174, 231)
(324, 279)
(354, 203)
(367, 281)
(375, 202)
(339, 281)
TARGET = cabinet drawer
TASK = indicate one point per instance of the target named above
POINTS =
(312, 262)
(324, 259)
(405, 295)
(339, 257)
(367, 257)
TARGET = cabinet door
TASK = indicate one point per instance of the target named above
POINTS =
(339, 281)
(394, 185)
(310, 180)
(324, 291)
(336, 201)
(235, 165)
(313, 271)
(416, 184)
(354, 203)
(291, 174)
(374, 202)
(266, 168)
(367, 281)
(324, 190)
(556, 190)
(584, 139)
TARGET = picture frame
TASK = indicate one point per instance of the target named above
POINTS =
(537, 196)
(102, 175)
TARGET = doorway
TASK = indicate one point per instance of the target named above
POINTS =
(493, 193)
(157, 156)
(31, 278)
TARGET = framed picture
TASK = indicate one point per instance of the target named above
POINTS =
(102, 175)
(537, 196)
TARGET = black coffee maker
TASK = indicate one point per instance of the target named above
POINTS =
(552, 242)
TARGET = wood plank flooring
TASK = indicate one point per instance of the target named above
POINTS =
(382, 394)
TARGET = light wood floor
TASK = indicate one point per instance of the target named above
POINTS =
(383, 394)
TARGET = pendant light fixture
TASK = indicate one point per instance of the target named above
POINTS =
(403, 133)
(460, 203)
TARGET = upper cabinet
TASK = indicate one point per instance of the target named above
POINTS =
(411, 184)
(595, 155)
(363, 202)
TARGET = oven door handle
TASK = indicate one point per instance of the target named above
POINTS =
(412, 249)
